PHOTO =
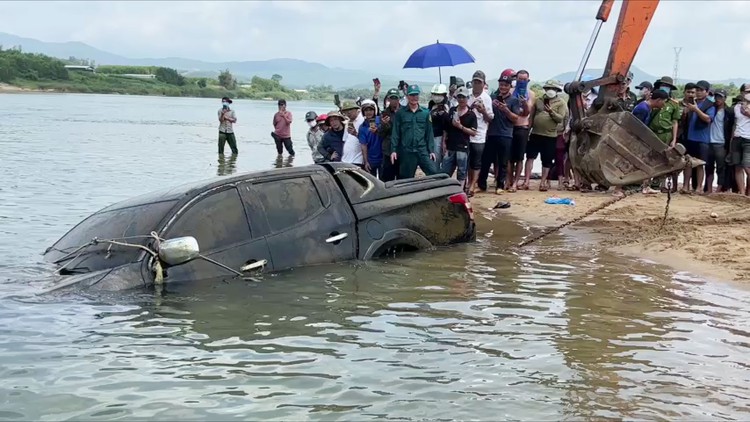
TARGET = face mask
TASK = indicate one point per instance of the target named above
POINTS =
(550, 93)
(312, 123)
(438, 98)
(225, 105)
(642, 92)
(746, 97)
(711, 98)
(666, 89)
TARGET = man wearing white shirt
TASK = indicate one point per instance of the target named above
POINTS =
(352, 152)
(481, 103)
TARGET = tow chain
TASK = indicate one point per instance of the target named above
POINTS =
(579, 218)
(669, 195)
(605, 205)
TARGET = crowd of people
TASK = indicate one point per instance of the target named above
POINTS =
(467, 130)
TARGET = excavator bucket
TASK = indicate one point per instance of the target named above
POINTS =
(617, 149)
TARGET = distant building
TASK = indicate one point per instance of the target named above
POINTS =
(136, 76)
(79, 67)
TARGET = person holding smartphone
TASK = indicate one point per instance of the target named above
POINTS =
(226, 131)
(549, 113)
(700, 113)
(463, 125)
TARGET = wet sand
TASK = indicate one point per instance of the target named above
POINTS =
(703, 235)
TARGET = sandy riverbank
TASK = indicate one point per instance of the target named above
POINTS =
(691, 240)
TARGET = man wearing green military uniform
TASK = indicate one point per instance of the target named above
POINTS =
(665, 123)
(411, 137)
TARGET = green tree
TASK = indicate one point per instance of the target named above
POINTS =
(169, 76)
(202, 83)
(276, 78)
(227, 80)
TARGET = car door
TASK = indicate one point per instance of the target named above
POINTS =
(218, 221)
(309, 220)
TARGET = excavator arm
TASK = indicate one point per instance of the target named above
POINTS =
(611, 147)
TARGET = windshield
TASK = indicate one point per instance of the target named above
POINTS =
(138, 220)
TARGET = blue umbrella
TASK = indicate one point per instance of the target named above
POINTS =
(438, 55)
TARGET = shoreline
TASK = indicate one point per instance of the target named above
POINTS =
(705, 235)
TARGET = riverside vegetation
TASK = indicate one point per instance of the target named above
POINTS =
(38, 72)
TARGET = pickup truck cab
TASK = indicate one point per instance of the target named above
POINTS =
(262, 222)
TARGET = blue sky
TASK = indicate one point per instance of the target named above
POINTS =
(546, 37)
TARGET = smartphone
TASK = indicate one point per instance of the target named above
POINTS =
(546, 101)
(376, 81)
(691, 100)
(336, 100)
(453, 81)
(373, 126)
(401, 84)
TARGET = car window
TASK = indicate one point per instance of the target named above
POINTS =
(288, 202)
(216, 221)
(356, 183)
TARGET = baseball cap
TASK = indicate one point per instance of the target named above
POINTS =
(462, 92)
(226, 99)
(721, 93)
(413, 90)
(393, 92)
(645, 84)
(479, 75)
(704, 85)
(347, 105)
(659, 95)
(310, 116)
(322, 118)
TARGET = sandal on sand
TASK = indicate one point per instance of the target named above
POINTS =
(512, 189)
(649, 191)
(543, 188)
(523, 187)
(685, 192)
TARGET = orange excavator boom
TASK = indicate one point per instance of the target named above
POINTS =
(635, 18)
(611, 146)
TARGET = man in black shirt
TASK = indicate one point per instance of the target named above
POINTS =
(463, 125)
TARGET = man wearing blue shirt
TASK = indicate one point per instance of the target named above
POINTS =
(700, 115)
(644, 110)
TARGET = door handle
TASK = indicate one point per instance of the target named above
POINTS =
(254, 266)
(337, 238)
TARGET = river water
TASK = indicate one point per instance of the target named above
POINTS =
(560, 331)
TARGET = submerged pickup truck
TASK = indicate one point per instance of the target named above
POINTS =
(260, 222)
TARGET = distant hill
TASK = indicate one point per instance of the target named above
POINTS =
(640, 76)
(295, 73)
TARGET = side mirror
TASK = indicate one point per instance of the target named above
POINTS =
(178, 250)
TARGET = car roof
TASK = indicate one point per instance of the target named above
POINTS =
(189, 190)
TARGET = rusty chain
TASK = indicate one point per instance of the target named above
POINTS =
(669, 195)
(577, 219)
(604, 205)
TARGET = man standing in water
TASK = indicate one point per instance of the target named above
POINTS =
(226, 131)
(282, 134)
(411, 139)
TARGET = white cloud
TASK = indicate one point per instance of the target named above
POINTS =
(545, 37)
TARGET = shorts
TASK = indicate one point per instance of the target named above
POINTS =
(542, 145)
(475, 155)
(697, 150)
(739, 152)
(518, 146)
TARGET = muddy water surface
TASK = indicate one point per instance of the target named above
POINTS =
(560, 331)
